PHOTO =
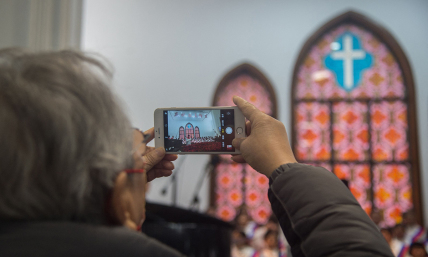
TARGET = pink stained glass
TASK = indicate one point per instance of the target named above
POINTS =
(350, 131)
(383, 80)
(229, 186)
(197, 135)
(369, 116)
(230, 192)
(358, 177)
(313, 131)
(248, 88)
(189, 130)
(181, 132)
(256, 199)
(389, 130)
(392, 191)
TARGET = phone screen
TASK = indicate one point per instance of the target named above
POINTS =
(199, 130)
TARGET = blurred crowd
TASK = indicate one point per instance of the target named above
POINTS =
(249, 239)
(406, 238)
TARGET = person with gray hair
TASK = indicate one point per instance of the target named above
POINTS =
(71, 166)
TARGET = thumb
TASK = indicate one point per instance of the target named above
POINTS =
(154, 157)
(237, 142)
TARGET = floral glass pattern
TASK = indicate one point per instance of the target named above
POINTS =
(350, 116)
(189, 131)
(181, 132)
(197, 134)
(313, 130)
(250, 89)
(238, 185)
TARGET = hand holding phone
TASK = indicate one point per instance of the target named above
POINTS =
(266, 147)
(156, 163)
(207, 130)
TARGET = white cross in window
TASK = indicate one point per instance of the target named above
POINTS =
(348, 55)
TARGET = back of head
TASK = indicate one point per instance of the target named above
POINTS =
(64, 137)
(417, 249)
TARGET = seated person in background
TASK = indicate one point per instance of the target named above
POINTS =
(413, 231)
(244, 223)
(188, 140)
(270, 248)
(376, 217)
(258, 241)
(398, 244)
(211, 211)
(417, 249)
(72, 172)
(240, 247)
(387, 234)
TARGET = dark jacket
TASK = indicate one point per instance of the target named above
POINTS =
(320, 216)
(64, 239)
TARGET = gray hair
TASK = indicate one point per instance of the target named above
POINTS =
(64, 137)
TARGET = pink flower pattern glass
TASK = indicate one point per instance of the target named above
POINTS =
(392, 190)
(239, 185)
(248, 88)
(313, 131)
(359, 182)
(359, 134)
(350, 132)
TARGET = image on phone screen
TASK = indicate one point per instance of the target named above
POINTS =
(199, 130)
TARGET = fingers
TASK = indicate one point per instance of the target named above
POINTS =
(170, 157)
(248, 127)
(151, 132)
(237, 142)
(164, 164)
(158, 173)
(238, 158)
(249, 110)
(154, 157)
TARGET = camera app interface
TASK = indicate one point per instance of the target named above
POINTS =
(199, 130)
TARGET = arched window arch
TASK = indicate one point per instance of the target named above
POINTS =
(229, 192)
(353, 112)
(181, 133)
(197, 134)
(189, 131)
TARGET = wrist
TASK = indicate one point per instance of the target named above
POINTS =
(278, 163)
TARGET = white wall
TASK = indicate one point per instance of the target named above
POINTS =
(162, 50)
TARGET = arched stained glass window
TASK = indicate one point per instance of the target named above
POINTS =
(189, 131)
(354, 114)
(181, 131)
(197, 135)
(236, 186)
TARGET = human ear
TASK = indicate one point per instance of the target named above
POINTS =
(122, 203)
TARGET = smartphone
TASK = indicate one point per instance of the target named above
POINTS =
(205, 130)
